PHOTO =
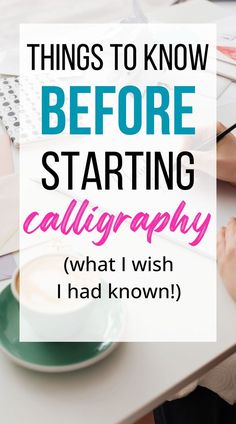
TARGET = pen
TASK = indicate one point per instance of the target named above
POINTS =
(206, 144)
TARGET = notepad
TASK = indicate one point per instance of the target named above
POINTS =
(10, 109)
(226, 40)
(9, 106)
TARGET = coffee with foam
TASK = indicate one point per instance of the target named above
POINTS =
(38, 283)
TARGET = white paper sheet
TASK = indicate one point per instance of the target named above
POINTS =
(13, 12)
(222, 85)
(229, 96)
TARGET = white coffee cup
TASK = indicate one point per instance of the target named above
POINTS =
(50, 318)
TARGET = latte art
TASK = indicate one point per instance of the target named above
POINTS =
(38, 282)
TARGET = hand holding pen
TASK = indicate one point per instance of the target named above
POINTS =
(226, 153)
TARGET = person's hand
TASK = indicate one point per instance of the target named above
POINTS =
(205, 160)
(226, 156)
(226, 252)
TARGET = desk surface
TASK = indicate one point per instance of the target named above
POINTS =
(133, 380)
